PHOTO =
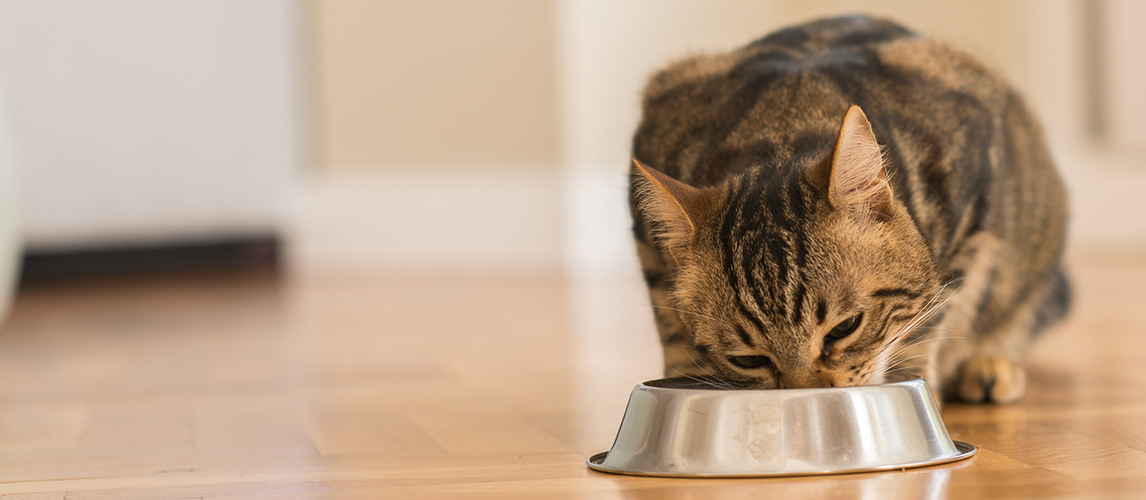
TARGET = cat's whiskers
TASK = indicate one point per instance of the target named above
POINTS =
(926, 328)
(899, 364)
(712, 377)
(901, 349)
(690, 377)
(915, 321)
(929, 310)
(899, 369)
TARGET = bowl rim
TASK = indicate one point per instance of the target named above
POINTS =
(697, 384)
(966, 450)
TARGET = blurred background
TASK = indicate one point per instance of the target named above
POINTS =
(445, 137)
(314, 247)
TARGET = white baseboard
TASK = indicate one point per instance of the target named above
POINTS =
(596, 225)
(575, 222)
(1107, 198)
(483, 223)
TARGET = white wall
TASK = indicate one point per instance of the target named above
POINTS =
(139, 121)
(149, 121)
(436, 141)
(416, 224)
(607, 50)
(1124, 66)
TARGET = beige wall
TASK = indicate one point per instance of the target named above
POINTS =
(999, 32)
(609, 48)
(434, 84)
(1011, 36)
(403, 84)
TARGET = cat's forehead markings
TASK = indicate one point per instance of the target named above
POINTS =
(821, 311)
(851, 298)
(744, 336)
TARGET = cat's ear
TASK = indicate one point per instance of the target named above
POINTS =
(675, 208)
(858, 183)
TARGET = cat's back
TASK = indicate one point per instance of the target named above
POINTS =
(781, 98)
(963, 153)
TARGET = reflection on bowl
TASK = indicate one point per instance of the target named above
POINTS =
(682, 427)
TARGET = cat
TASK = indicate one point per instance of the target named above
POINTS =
(844, 200)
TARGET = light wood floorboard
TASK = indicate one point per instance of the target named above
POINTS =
(225, 386)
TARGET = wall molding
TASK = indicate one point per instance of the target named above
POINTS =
(394, 223)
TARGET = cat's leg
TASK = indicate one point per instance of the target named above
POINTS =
(952, 336)
(992, 378)
(994, 373)
(924, 352)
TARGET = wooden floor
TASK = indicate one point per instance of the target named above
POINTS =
(237, 387)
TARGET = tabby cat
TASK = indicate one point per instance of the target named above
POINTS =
(842, 200)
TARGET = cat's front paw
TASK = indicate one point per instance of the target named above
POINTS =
(992, 379)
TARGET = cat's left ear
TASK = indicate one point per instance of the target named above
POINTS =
(676, 209)
(858, 182)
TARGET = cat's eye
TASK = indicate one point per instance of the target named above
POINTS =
(845, 328)
(751, 362)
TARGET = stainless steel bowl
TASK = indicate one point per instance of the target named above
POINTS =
(682, 427)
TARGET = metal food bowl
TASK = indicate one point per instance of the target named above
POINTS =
(688, 428)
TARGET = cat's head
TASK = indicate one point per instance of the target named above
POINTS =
(805, 277)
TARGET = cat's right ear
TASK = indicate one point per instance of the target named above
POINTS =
(676, 209)
(858, 180)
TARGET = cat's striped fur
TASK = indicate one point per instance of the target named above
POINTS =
(764, 221)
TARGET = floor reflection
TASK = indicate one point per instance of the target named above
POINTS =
(615, 347)
(925, 484)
